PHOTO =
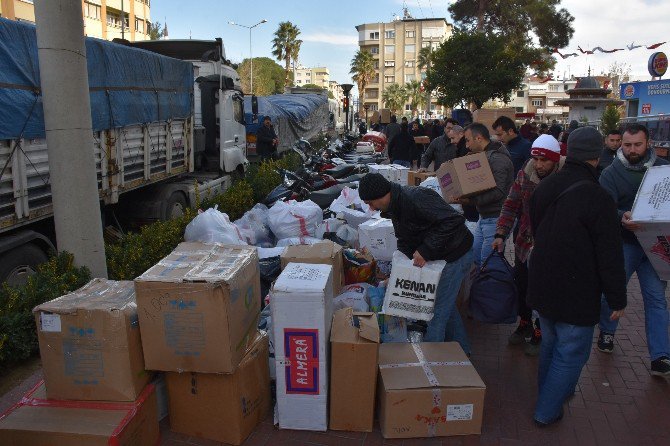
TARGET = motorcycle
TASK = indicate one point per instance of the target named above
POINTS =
(295, 187)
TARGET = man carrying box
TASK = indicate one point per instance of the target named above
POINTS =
(427, 228)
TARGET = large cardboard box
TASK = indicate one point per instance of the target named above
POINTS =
(302, 313)
(385, 115)
(354, 343)
(414, 178)
(38, 421)
(199, 308)
(652, 209)
(90, 343)
(422, 140)
(428, 390)
(326, 252)
(378, 237)
(465, 176)
(488, 116)
(395, 173)
(224, 408)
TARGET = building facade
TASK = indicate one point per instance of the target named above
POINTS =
(319, 76)
(102, 18)
(395, 47)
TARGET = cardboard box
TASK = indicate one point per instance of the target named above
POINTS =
(354, 343)
(414, 178)
(422, 140)
(90, 343)
(224, 408)
(302, 313)
(401, 174)
(488, 116)
(395, 173)
(378, 237)
(652, 209)
(428, 390)
(385, 115)
(465, 176)
(199, 308)
(326, 252)
(38, 421)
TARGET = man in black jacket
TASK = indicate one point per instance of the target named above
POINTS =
(266, 140)
(577, 256)
(402, 147)
(427, 228)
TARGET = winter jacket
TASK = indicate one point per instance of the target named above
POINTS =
(440, 151)
(264, 137)
(461, 148)
(402, 147)
(516, 207)
(424, 222)
(519, 150)
(578, 252)
(391, 131)
(490, 202)
(606, 158)
(622, 184)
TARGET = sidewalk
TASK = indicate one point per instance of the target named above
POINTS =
(618, 403)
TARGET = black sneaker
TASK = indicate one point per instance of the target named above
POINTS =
(522, 333)
(606, 342)
(661, 366)
(533, 346)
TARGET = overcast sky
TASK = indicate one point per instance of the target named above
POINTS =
(330, 38)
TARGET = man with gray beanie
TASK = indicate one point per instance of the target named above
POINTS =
(577, 257)
(427, 228)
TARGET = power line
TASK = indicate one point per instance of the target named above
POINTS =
(431, 8)
(422, 14)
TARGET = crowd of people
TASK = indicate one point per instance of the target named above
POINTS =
(564, 197)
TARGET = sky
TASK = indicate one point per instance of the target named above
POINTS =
(330, 38)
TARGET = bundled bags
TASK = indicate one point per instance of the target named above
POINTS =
(493, 294)
(254, 226)
(212, 226)
(295, 218)
(411, 290)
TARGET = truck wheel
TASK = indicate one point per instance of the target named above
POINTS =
(20, 263)
(174, 206)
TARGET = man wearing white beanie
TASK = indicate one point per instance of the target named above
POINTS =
(545, 159)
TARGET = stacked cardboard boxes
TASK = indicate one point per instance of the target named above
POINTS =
(326, 252)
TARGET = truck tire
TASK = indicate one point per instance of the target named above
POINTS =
(174, 206)
(19, 263)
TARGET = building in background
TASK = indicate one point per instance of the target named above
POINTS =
(395, 47)
(102, 18)
(319, 76)
(588, 99)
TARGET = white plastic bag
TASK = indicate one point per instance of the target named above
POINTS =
(212, 226)
(412, 290)
(354, 296)
(432, 183)
(295, 218)
(328, 225)
(290, 241)
(254, 226)
(349, 235)
(349, 199)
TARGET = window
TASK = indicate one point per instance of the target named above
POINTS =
(375, 80)
(139, 25)
(113, 19)
(389, 63)
(410, 34)
(410, 49)
(409, 77)
(376, 64)
(553, 88)
(389, 79)
(373, 107)
(374, 35)
(390, 34)
(409, 64)
(92, 11)
(425, 44)
(372, 94)
(238, 109)
(520, 94)
(298, 81)
(408, 107)
(374, 50)
(389, 49)
(536, 102)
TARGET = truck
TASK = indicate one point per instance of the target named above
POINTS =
(168, 123)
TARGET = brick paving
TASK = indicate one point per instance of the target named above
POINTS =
(617, 403)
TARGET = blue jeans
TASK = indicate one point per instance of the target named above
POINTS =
(486, 229)
(446, 324)
(564, 351)
(402, 163)
(653, 297)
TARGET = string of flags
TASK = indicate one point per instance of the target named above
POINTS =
(631, 46)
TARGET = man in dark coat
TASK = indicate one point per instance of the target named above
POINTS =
(612, 144)
(517, 145)
(577, 256)
(402, 147)
(427, 229)
(266, 140)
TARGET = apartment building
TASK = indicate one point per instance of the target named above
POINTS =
(395, 47)
(318, 76)
(102, 18)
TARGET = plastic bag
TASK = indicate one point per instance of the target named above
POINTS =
(290, 241)
(254, 226)
(432, 183)
(349, 235)
(295, 218)
(328, 225)
(391, 328)
(349, 199)
(358, 267)
(354, 296)
(212, 226)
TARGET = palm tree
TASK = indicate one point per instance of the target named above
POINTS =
(415, 95)
(394, 98)
(363, 70)
(286, 46)
(425, 62)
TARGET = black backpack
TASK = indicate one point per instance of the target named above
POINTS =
(493, 294)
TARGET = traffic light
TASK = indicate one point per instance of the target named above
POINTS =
(345, 104)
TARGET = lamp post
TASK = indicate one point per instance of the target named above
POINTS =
(366, 107)
(346, 88)
(251, 58)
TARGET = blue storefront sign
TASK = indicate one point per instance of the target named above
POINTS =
(648, 98)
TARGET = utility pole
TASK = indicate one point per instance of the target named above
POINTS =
(67, 120)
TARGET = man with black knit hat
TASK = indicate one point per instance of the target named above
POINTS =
(577, 256)
(427, 228)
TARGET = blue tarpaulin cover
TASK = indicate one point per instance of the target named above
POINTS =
(127, 85)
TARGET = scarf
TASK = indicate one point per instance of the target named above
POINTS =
(646, 162)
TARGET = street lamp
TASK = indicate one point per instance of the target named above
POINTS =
(346, 88)
(251, 58)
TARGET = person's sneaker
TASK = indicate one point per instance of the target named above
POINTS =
(533, 346)
(522, 333)
(661, 366)
(606, 342)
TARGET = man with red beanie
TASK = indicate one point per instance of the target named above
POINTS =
(545, 159)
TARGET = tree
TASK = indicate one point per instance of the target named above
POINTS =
(363, 71)
(286, 46)
(311, 86)
(268, 76)
(394, 98)
(425, 62)
(415, 95)
(517, 21)
(618, 72)
(491, 69)
(610, 119)
(155, 31)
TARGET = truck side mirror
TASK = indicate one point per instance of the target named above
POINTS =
(254, 109)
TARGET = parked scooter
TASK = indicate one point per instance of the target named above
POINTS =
(294, 187)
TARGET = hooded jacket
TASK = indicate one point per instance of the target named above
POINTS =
(489, 203)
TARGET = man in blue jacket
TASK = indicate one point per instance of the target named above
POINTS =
(517, 146)
(621, 180)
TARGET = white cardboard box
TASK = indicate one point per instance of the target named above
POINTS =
(652, 210)
(302, 312)
(378, 236)
(401, 173)
(395, 173)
